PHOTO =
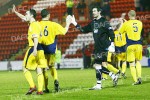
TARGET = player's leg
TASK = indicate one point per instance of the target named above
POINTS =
(106, 57)
(27, 62)
(98, 77)
(119, 64)
(139, 70)
(109, 65)
(45, 74)
(124, 66)
(55, 77)
(40, 79)
(111, 74)
(112, 68)
(131, 60)
(138, 64)
(104, 76)
(29, 79)
(42, 63)
(54, 71)
(133, 72)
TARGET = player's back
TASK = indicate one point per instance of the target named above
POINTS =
(49, 32)
(120, 39)
(133, 29)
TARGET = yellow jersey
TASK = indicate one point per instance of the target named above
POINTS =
(34, 29)
(132, 29)
(120, 39)
(49, 31)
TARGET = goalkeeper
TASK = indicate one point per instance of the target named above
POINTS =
(102, 31)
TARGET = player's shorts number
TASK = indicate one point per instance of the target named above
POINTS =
(45, 31)
(135, 27)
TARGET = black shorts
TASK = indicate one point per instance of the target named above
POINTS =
(100, 57)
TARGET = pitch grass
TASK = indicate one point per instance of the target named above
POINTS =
(74, 85)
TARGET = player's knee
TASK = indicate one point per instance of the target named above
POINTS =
(51, 65)
(97, 66)
(39, 70)
(25, 70)
(124, 62)
(132, 63)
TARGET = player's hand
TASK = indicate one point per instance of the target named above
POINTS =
(68, 19)
(34, 52)
(14, 8)
(111, 48)
(73, 21)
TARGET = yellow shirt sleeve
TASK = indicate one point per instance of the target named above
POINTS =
(59, 30)
(35, 29)
(122, 29)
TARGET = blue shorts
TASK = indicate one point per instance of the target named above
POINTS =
(49, 49)
(120, 49)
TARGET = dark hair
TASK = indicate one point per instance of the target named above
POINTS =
(98, 8)
(44, 13)
(33, 12)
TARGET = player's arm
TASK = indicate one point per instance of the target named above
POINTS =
(18, 14)
(59, 30)
(122, 29)
(111, 34)
(84, 29)
(35, 35)
(68, 22)
(110, 31)
(35, 39)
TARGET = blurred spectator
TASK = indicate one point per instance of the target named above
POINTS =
(81, 6)
(58, 57)
(106, 9)
(9, 67)
(69, 4)
(137, 5)
(145, 5)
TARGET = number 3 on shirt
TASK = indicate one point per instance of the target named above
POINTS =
(135, 27)
(45, 31)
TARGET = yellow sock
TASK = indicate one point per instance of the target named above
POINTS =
(104, 75)
(45, 74)
(133, 73)
(138, 69)
(111, 68)
(40, 82)
(124, 66)
(54, 73)
(29, 78)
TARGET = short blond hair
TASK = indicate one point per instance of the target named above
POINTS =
(132, 13)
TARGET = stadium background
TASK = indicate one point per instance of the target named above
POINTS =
(13, 31)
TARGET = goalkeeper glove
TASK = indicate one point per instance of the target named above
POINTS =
(111, 48)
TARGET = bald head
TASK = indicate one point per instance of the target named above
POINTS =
(132, 14)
